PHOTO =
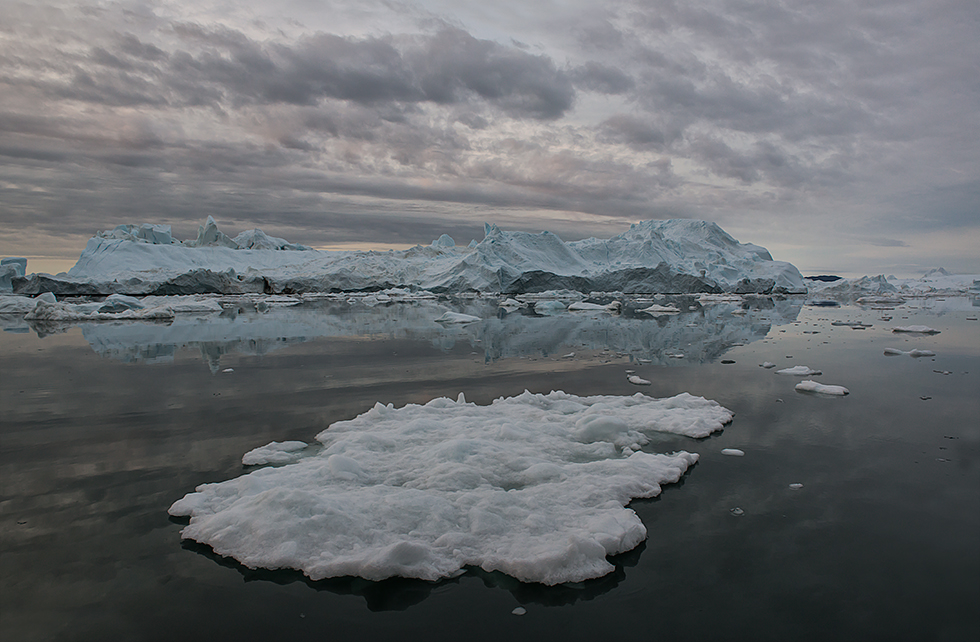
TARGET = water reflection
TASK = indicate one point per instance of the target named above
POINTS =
(699, 334)
(400, 594)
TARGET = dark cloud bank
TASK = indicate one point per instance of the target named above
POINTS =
(731, 111)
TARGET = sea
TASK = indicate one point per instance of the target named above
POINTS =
(850, 517)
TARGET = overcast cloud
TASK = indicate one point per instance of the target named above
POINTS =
(843, 136)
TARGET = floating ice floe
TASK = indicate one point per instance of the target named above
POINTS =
(637, 380)
(892, 352)
(657, 310)
(533, 486)
(733, 452)
(917, 329)
(582, 306)
(823, 389)
(799, 371)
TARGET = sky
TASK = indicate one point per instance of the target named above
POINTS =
(843, 136)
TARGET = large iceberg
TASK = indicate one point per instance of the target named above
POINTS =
(535, 486)
(674, 256)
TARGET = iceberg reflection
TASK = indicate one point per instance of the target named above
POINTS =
(701, 333)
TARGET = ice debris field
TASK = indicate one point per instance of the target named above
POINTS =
(534, 486)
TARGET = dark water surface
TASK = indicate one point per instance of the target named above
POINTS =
(104, 427)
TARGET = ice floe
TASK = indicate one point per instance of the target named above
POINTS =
(733, 452)
(891, 352)
(915, 329)
(799, 371)
(657, 310)
(823, 389)
(534, 486)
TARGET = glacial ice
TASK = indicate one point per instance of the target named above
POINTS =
(535, 486)
(675, 256)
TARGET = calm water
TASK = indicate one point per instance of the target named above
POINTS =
(104, 426)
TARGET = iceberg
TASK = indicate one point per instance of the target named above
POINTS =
(674, 257)
(534, 486)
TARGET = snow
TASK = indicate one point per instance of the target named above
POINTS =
(534, 486)
(799, 371)
(674, 256)
(823, 389)
(918, 329)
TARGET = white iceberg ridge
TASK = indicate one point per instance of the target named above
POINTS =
(534, 486)
(674, 256)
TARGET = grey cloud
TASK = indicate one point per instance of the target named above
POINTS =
(600, 78)
(638, 133)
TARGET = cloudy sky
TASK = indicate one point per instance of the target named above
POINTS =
(844, 136)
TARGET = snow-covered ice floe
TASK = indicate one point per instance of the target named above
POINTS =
(534, 486)
(823, 389)
(799, 371)
(892, 352)
(674, 256)
(915, 329)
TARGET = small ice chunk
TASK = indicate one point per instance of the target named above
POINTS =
(637, 381)
(582, 306)
(570, 355)
(520, 610)
(823, 389)
(918, 329)
(658, 310)
(796, 486)
(892, 352)
(457, 317)
(548, 307)
(767, 365)
(921, 353)
(120, 303)
(228, 370)
(276, 453)
(737, 511)
(799, 371)
(733, 452)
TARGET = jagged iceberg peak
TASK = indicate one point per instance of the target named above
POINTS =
(208, 235)
(669, 257)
